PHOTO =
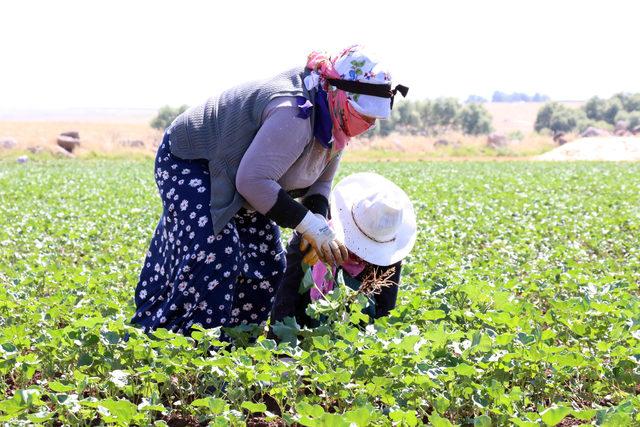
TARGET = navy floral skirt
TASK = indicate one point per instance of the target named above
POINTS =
(192, 276)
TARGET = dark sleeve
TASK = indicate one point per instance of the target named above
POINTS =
(286, 212)
(386, 299)
(317, 203)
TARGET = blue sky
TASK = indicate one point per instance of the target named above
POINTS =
(116, 53)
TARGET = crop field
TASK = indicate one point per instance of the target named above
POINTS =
(519, 305)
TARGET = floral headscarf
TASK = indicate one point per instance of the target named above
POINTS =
(351, 113)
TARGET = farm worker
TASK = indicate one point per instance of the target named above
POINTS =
(229, 172)
(376, 221)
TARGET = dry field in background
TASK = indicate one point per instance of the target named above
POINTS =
(104, 136)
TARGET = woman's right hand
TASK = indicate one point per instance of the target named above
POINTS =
(310, 256)
(316, 230)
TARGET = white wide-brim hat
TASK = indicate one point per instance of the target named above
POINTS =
(374, 218)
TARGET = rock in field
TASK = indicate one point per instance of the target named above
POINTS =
(591, 132)
(133, 143)
(69, 141)
(62, 152)
(8, 143)
(71, 134)
(496, 140)
(35, 149)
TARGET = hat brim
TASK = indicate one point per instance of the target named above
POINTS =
(352, 189)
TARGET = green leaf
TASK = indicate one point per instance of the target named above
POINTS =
(555, 414)
(482, 421)
(441, 404)
(215, 405)
(308, 410)
(307, 281)
(254, 407)
(404, 417)
(433, 315)
(59, 387)
(438, 421)
(523, 423)
(360, 417)
(407, 344)
(85, 359)
(465, 370)
(287, 330)
(21, 400)
(148, 406)
(584, 414)
(322, 342)
(121, 411)
(41, 416)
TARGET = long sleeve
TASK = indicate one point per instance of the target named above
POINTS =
(317, 197)
(277, 145)
(322, 186)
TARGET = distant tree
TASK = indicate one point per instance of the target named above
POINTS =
(428, 120)
(499, 97)
(445, 112)
(385, 127)
(475, 99)
(539, 98)
(612, 110)
(517, 97)
(166, 115)
(631, 119)
(558, 118)
(474, 119)
(408, 116)
(613, 106)
(630, 101)
(595, 108)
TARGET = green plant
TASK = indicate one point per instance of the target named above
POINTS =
(518, 306)
(558, 118)
(166, 115)
(474, 119)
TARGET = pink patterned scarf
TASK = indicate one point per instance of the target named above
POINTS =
(347, 122)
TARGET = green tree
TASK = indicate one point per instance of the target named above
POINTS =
(558, 118)
(166, 115)
(613, 106)
(408, 117)
(632, 119)
(595, 108)
(428, 120)
(630, 101)
(445, 112)
(474, 119)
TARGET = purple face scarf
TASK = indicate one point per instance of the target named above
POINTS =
(322, 124)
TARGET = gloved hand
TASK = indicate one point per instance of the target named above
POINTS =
(315, 229)
(310, 256)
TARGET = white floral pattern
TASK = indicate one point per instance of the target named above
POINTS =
(192, 276)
